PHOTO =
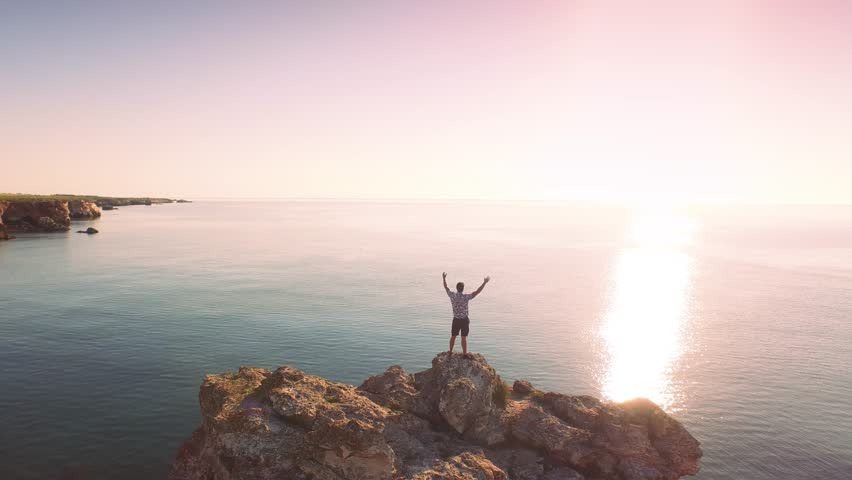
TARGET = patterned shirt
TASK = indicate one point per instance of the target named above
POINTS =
(459, 301)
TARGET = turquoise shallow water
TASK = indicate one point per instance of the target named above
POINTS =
(738, 321)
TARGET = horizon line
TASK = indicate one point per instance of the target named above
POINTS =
(623, 203)
(565, 201)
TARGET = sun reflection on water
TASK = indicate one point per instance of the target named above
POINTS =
(643, 328)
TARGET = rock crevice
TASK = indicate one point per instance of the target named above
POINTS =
(448, 422)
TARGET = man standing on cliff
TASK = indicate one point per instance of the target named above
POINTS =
(461, 322)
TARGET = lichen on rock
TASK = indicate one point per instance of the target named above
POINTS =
(441, 423)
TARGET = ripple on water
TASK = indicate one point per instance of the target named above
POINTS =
(104, 342)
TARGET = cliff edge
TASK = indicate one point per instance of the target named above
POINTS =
(43, 215)
(456, 420)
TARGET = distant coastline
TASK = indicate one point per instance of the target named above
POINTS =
(98, 200)
(21, 212)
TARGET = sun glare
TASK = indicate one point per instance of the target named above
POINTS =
(642, 331)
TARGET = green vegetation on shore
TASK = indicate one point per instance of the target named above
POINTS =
(100, 200)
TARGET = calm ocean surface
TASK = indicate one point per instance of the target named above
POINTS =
(738, 321)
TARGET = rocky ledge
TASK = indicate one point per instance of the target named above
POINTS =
(456, 420)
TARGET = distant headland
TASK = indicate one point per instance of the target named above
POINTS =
(20, 212)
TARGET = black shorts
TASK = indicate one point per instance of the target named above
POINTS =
(462, 324)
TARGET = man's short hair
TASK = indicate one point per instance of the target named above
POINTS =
(460, 286)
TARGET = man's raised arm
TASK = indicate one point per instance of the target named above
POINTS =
(476, 292)
(445, 283)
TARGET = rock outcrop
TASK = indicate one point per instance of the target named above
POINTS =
(35, 216)
(43, 215)
(456, 420)
(4, 234)
(83, 209)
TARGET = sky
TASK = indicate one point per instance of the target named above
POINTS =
(675, 101)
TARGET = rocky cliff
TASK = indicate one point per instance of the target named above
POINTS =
(38, 216)
(456, 420)
(83, 209)
(43, 215)
(4, 234)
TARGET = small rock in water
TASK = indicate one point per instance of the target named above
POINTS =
(89, 230)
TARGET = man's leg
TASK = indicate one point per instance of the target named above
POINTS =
(454, 331)
(464, 331)
(453, 342)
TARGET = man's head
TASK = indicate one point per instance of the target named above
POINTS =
(460, 287)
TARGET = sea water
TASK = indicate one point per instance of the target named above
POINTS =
(737, 320)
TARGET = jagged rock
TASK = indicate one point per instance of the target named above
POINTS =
(457, 389)
(393, 388)
(441, 423)
(533, 426)
(522, 387)
(520, 464)
(467, 466)
(579, 410)
(492, 429)
(633, 425)
(89, 230)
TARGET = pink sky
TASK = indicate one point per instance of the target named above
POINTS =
(624, 101)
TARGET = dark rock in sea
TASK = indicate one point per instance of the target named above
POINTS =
(183, 201)
(108, 207)
(89, 230)
(446, 422)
